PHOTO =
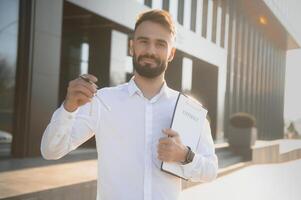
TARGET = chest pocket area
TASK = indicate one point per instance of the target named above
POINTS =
(109, 124)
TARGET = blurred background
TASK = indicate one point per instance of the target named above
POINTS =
(240, 58)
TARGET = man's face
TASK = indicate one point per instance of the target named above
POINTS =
(151, 49)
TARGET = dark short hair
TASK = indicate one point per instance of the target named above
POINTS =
(161, 17)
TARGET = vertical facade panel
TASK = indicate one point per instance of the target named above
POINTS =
(237, 69)
(268, 99)
(219, 23)
(173, 9)
(225, 41)
(282, 75)
(250, 70)
(214, 20)
(259, 85)
(272, 97)
(187, 14)
(279, 75)
(264, 89)
(157, 4)
(204, 18)
(199, 17)
(180, 13)
(148, 3)
(165, 5)
(230, 64)
(255, 68)
(273, 90)
(254, 71)
(244, 66)
(193, 16)
(267, 92)
(210, 20)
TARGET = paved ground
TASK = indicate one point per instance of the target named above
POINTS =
(260, 182)
(31, 180)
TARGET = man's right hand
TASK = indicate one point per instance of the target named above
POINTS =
(80, 92)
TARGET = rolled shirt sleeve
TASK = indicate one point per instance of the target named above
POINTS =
(68, 130)
(204, 166)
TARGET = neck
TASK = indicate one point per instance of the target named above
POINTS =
(149, 87)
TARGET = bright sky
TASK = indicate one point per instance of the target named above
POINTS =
(292, 105)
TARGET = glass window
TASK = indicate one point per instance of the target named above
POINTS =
(120, 62)
(165, 5)
(148, 3)
(180, 11)
(204, 18)
(140, 1)
(9, 17)
(223, 23)
(186, 75)
(84, 58)
(214, 21)
(193, 15)
(157, 4)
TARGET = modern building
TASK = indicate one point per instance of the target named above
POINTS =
(230, 56)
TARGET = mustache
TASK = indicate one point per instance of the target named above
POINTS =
(149, 57)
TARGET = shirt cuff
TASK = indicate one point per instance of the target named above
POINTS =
(64, 114)
(189, 168)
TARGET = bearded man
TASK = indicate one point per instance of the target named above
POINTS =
(131, 123)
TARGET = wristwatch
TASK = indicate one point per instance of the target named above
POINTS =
(189, 156)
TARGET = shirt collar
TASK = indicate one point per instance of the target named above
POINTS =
(133, 88)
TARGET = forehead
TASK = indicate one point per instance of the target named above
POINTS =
(153, 30)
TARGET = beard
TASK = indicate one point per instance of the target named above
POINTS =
(146, 70)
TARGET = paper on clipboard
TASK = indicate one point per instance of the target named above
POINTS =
(188, 120)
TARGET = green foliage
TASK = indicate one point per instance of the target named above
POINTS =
(291, 128)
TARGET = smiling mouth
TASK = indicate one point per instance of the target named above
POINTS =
(149, 61)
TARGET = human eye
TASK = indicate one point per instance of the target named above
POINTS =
(161, 44)
(143, 41)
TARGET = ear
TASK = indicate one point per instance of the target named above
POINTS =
(172, 54)
(131, 47)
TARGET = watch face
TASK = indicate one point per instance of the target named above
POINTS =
(190, 156)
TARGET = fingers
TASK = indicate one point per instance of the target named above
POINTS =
(170, 132)
(165, 144)
(165, 141)
(90, 86)
(82, 98)
(80, 91)
(78, 84)
(164, 158)
(83, 90)
(90, 77)
(164, 152)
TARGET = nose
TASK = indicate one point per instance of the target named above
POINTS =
(151, 49)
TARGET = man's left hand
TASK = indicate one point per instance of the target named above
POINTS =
(170, 148)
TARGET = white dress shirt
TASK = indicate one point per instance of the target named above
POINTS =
(127, 136)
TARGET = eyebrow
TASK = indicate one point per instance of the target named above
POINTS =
(146, 38)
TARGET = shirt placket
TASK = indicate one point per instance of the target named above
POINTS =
(148, 152)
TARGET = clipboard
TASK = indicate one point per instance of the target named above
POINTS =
(188, 120)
